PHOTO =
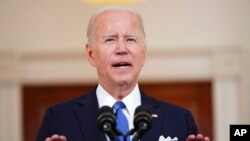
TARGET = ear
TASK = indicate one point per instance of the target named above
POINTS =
(144, 53)
(90, 54)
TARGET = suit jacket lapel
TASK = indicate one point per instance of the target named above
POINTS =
(154, 133)
(86, 111)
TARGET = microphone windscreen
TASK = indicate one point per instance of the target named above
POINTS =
(142, 115)
(105, 109)
(106, 116)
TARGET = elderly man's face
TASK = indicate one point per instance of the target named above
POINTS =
(118, 51)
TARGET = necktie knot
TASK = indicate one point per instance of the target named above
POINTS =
(118, 106)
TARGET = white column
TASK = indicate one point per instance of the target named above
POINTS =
(10, 113)
(10, 97)
(226, 102)
(226, 92)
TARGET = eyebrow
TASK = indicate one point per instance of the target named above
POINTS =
(107, 36)
(116, 35)
(131, 36)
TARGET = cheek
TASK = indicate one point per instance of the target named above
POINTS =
(102, 58)
(141, 58)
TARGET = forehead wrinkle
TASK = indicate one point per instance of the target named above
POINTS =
(111, 35)
(131, 35)
(117, 23)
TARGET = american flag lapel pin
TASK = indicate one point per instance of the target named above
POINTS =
(154, 115)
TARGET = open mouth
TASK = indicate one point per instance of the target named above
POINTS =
(122, 65)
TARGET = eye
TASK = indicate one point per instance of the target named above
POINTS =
(131, 40)
(109, 40)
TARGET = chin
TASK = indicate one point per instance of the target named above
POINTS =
(123, 82)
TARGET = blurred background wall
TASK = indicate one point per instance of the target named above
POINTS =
(42, 42)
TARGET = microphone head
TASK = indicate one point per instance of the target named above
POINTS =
(142, 119)
(106, 119)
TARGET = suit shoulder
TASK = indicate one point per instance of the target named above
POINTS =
(64, 106)
(77, 100)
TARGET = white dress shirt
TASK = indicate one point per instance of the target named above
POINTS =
(132, 100)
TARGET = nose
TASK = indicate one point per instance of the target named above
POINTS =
(121, 48)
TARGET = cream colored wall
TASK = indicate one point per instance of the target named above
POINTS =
(245, 99)
(41, 41)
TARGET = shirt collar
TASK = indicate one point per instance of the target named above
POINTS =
(132, 100)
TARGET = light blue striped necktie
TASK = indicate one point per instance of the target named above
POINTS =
(121, 120)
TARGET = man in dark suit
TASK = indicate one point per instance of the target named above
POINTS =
(116, 47)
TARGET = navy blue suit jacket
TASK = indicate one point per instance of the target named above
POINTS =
(76, 119)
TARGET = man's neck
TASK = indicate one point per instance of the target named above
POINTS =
(118, 91)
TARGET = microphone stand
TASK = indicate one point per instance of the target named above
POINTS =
(138, 134)
(107, 128)
(131, 132)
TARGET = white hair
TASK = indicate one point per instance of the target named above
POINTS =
(114, 8)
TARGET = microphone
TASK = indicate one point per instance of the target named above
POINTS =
(142, 122)
(106, 122)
